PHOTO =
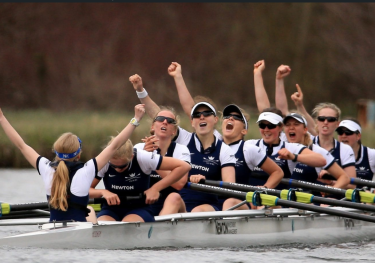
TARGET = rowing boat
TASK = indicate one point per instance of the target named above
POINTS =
(238, 228)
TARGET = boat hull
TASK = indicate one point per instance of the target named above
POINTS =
(240, 232)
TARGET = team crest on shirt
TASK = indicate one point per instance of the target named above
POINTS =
(210, 160)
(239, 163)
(133, 177)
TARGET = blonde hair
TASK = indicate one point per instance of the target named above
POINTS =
(171, 110)
(325, 105)
(66, 143)
(124, 152)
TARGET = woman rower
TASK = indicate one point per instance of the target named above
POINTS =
(349, 132)
(270, 121)
(128, 174)
(294, 133)
(248, 156)
(210, 157)
(163, 130)
(66, 179)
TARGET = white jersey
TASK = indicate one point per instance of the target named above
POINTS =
(81, 182)
(316, 148)
(184, 136)
(254, 156)
(148, 162)
(226, 155)
(329, 158)
(294, 148)
(180, 151)
(342, 153)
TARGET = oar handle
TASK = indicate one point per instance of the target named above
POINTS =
(123, 199)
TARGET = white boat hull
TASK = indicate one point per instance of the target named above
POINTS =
(239, 231)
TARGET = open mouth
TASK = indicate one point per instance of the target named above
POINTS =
(292, 135)
(229, 126)
(163, 128)
(203, 124)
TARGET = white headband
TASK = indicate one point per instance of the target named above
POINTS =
(271, 117)
(202, 103)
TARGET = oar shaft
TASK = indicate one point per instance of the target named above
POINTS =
(275, 192)
(362, 182)
(7, 208)
(279, 201)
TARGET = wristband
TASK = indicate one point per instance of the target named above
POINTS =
(143, 94)
(134, 122)
(295, 158)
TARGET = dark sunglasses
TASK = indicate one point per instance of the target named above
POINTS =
(269, 126)
(235, 117)
(118, 166)
(347, 132)
(205, 114)
(329, 119)
(162, 118)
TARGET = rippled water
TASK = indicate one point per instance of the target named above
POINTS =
(19, 186)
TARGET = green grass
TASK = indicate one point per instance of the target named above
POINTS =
(41, 128)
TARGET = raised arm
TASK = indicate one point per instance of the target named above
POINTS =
(281, 101)
(297, 98)
(186, 100)
(30, 154)
(151, 107)
(260, 92)
(121, 138)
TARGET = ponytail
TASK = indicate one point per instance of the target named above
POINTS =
(60, 181)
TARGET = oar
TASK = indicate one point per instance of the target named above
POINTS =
(295, 195)
(354, 195)
(6, 208)
(264, 199)
(356, 181)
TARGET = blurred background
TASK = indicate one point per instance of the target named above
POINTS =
(77, 57)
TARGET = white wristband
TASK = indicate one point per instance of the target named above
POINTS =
(142, 94)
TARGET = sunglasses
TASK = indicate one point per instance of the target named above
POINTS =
(329, 119)
(235, 117)
(347, 132)
(118, 166)
(163, 118)
(269, 126)
(204, 113)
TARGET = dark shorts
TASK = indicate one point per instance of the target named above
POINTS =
(155, 209)
(118, 213)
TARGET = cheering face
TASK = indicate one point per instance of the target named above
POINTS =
(233, 126)
(348, 137)
(203, 120)
(270, 132)
(164, 124)
(327, 121)
(294, 130)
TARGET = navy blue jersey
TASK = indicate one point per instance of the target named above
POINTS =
(362, 166)
(283, 164)
(78, 198)
(131, 182)
(205, 162)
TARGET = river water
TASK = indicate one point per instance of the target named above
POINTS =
(25, 185)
